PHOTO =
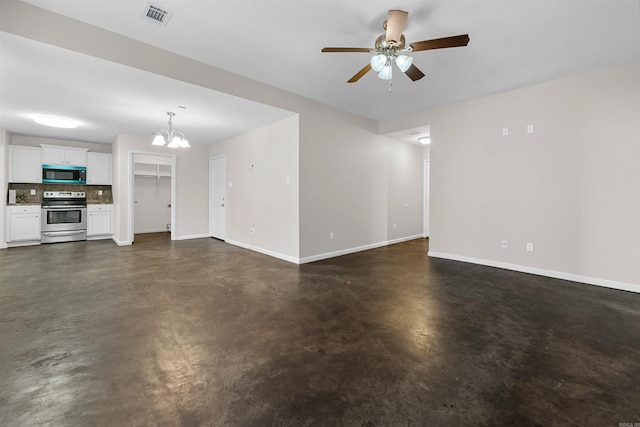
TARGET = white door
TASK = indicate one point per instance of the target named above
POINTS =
(217, 197)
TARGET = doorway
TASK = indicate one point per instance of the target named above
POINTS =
(151, 194)
(425, 198)
(217, 197)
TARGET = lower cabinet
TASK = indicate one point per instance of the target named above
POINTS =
(99, 222)
(23, 225)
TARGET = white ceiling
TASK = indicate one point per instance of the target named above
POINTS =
(513, 43)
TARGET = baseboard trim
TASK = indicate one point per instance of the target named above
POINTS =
(192, 236)
(3, 246)
(121, 242)
(152, 230)
(99, 237)
(622, 286)
(348, 251)
(264, 251)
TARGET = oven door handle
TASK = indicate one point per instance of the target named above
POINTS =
(65, 207)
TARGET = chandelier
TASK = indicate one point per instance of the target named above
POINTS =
(385, 54)
(170, 138)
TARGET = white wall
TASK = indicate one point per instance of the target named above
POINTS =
(258, 164)
(356, 185)
(572, 187)
(4, 178)
(191, 179)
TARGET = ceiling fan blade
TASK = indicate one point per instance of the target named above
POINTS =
(395, 25)
(359, 74)
(414, 73)
(346, 49)
(453, 41)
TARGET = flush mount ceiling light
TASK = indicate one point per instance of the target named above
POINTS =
(170, 138)
(425, 140)
(56, 122)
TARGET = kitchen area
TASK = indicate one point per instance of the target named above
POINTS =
(57, 194)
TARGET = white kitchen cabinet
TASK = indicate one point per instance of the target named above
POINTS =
(58, 155)
(25, 164)
(98, 169)
(99, 222)
(23, 225)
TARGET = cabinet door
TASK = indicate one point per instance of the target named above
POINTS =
(99, 220)
(25, 164)
(53, 155)
(98, 169)
(24, 226)
(75, 157)
(59, 155)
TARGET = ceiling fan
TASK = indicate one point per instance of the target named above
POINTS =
(391, 47)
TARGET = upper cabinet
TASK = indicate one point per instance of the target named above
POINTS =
(57, 155)
(98, 169)
(25, 164)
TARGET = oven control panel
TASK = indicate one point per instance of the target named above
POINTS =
(64, 195)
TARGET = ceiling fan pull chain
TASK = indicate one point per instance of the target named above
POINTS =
(390, 82)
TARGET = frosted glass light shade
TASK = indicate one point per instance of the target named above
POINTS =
(158, 140)
(404, 62)
(378, 62)
(175, 142)
(385, 73)
(56, 122)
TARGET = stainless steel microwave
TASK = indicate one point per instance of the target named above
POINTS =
(61, 174)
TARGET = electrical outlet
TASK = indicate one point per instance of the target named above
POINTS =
(505, 131)
(529, 247)
(288, 180)
(331, 236)
(252, 230)
(33, 191)
(394, 226)
(505, 244)
(99, 192)
(529, 128)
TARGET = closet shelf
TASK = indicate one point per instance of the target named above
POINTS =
(153, 170)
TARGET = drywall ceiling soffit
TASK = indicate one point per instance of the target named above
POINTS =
(110, 99)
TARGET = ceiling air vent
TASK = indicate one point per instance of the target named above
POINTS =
(157, 14)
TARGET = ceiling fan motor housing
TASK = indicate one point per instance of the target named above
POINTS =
(382, 43)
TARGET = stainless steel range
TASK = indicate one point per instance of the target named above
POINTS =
(64, 216)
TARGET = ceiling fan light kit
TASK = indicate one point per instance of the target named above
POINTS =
(391, 48)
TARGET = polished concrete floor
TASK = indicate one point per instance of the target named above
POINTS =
(200, 333)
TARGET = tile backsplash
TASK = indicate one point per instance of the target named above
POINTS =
(24, 196)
